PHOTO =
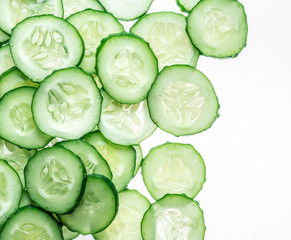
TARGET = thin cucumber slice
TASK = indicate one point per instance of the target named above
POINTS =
(69, 235)
(121, 159)
(25, 200)
(55, 179)
(10, 191)
(173, 217)
(182, 101)
(126, 225)
(73, 6)
(16, 157)
(67, 104)
(126, 67)
(187, 5)
(5, 59)
(93, 26)
(218, 28)
(93, 161)
(14, 11)
(19, 127)
(166, 34)
(3, 37)
(139, 157)
(41, 44)
(173, 168)
(127, 9)
(125, 124)
(31, 223)
(97, 208)
(12, 79)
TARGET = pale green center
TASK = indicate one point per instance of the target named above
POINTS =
(30, 231)
(90, 205)
(21, 118)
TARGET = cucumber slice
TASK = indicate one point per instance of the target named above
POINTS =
(166, 34)
(55, 179)
(127, 9)
(67, 104)
(139, 157)
(187, 5)
(73, 6)
(41, 44)
(12, 79)
(126, 67)
(121, 159)
(218, 28)
(31, 223)
(173, 217)
(93, 26)
(173, 168)
(69, 235)
(97, 208)
(125, 124)
(93, 161)
(19, 127)
(10, 191)
(3, 37)
(24, 199)
(182, 101)
(126, 225)
(5, 59)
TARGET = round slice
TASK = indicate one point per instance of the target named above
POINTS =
(126, 67)
(10, 191)
(41, 44)
(31, 223)
(173, 216)
(5, 59)
(125, 124)
(67, 104)
(73, 6)
(55, 179)
(173, 168)
(218, 28)
(97, 208)
(166, 34)
(19, 127)
(182, 101)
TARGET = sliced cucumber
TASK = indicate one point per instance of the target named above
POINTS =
(126, 225)
(3, 37)
(139, 157)
(5, 59)
(41, 44)
(69, 235)
(121, 159)
(31, 223)
(93, 26)
(173, 217)
(93, 161)
(97, 208)
(10, 191)
(25, 200)
(166, 34)
(73, 6)
(67, 104)
(19, 127)
(55, 179)
(187, 5)
(126, 67)
(218, 28)
(126, 9)
(125, 124)
(182, 101)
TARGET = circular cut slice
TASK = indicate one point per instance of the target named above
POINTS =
(125, 124)
(41, 44)
(126, 67)
(173, 168)
(182, 101)
(67, 104)
(73, 6)
(173, 215)
(218, 28)
(55, 179)
(166, 34)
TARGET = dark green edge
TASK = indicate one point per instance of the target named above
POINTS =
(176, 143)
(172, 195)
(22, 146)
(191, 133)
(42, 16)
(83, 185)
(103, 42)
(60, 144)
(183, 9)
(65, 69)
(35, 208)
(212, 56)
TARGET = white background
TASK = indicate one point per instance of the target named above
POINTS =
(247, 151)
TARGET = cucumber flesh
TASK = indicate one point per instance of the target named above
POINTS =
(187, 5)
(74, 6)
(3, 37)
(5, 59)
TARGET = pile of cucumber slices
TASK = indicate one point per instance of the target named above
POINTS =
(78, 95)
